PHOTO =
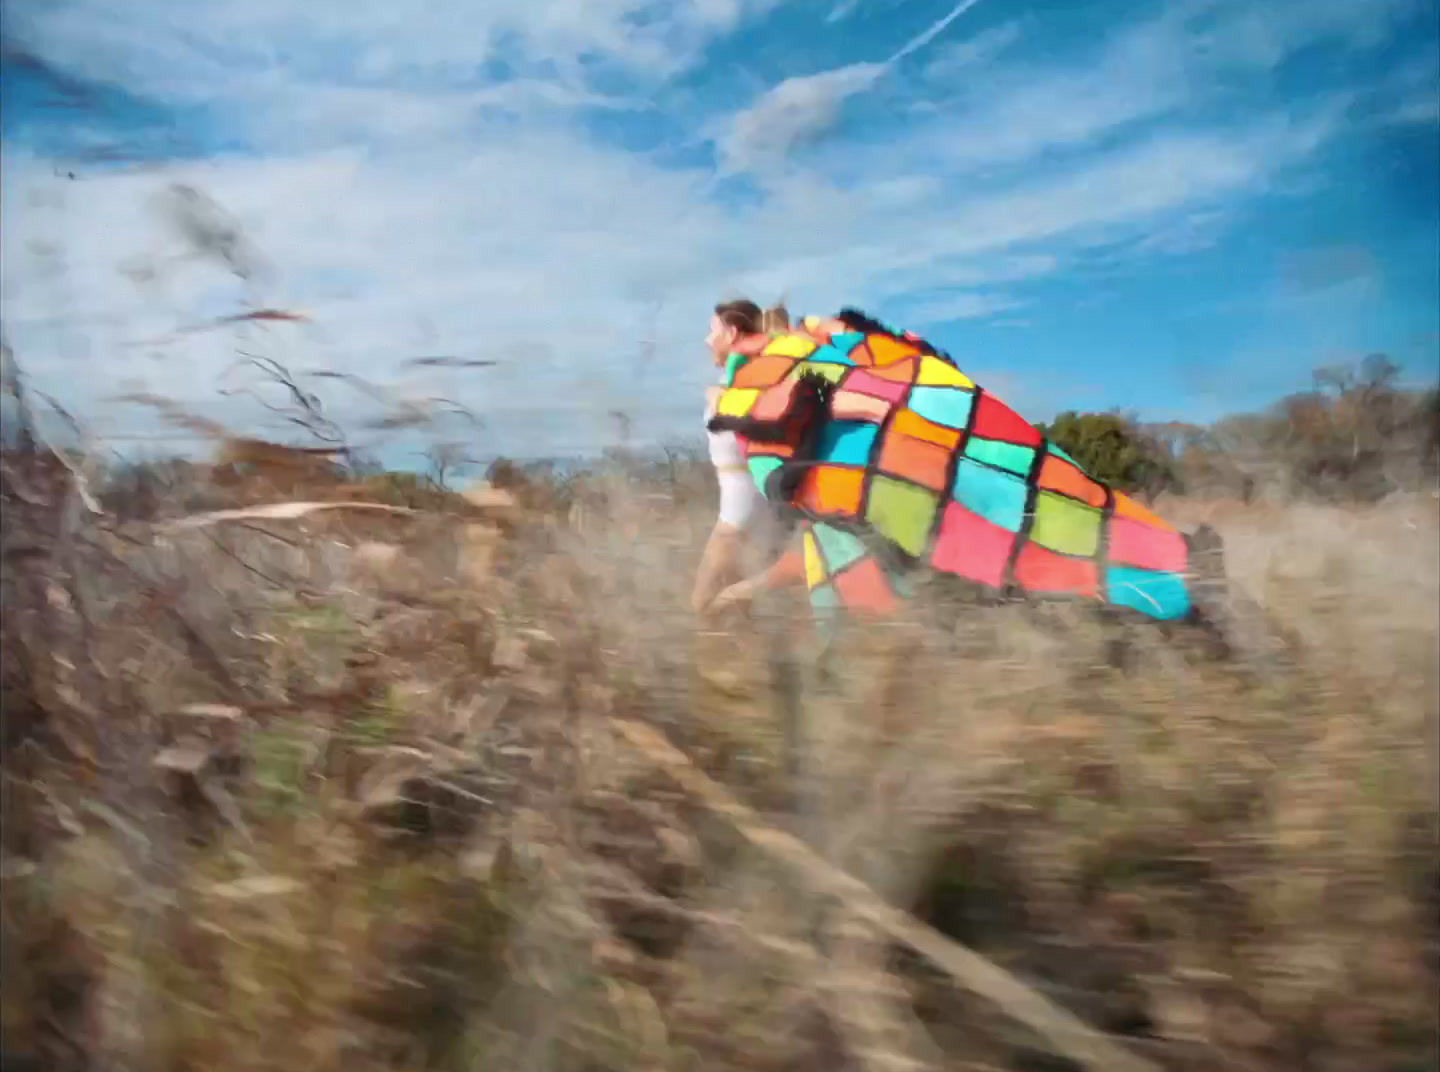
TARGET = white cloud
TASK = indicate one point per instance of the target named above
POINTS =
(411, 206)
(1266, 34)
(1421, 110)
(964, 305)
(543, 251)
(171, 48)
(979, 50)
(803, 108)
(1189, 233)
(795, 112)
(1143, 72)
(1161, 68)
(1411, 96)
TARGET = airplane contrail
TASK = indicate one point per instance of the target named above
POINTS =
(936, 29)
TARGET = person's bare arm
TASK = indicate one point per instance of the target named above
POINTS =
(788, 569)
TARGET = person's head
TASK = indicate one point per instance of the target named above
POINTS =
(733, 321)
(775, 319)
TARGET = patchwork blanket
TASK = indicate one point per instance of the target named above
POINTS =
(895, 460)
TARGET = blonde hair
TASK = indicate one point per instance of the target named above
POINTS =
(749, 319)
(775, 319)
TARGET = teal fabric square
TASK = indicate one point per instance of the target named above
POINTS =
(846, 442)
(1053, 449)
(949, 406)
(1011, 456)
(761, 468)
(1159, 595)
(996, 496)
(845, 341)
(824, 599)
(839, 547)
(901, 583)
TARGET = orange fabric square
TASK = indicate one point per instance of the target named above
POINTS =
(1056, 474)
(864, 588)
(924, 463)
(822, 327)
(908, 422)
(900, 371)
(1038, 570)
(890, 351)
(830, 490)
(763, 371)
(861, 355)
(1128, 507)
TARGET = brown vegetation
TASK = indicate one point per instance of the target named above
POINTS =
(383, 792)
(1357, 435)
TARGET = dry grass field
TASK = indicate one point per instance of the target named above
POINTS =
(380, 792)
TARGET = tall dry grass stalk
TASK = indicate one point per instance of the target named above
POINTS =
(342, 791)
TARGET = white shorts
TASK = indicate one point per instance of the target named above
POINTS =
(742, 506)
(739, 497)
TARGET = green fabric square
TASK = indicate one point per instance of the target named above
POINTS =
(902, 512)
(1064, 525)
(830, 370)
(732, 366)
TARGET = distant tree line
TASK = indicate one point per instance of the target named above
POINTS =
(1356, 434)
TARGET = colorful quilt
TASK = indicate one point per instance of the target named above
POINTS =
(896, 460)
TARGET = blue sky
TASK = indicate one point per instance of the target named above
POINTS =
(1174, 208)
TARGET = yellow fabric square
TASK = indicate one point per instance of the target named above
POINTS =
(737, 402)
(790, 346)
(937, 373)
(814, 566)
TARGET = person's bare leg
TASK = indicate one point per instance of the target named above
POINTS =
(719, 563)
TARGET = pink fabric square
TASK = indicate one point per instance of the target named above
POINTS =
(852, 406)
(1133, 544)
(865, 383)
(969, 546)
(774, 402)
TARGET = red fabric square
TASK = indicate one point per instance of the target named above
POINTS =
(995, 420)
(1134, 544)
(1039, 570)
(969, 546)
(864, 587)
(775, 402)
